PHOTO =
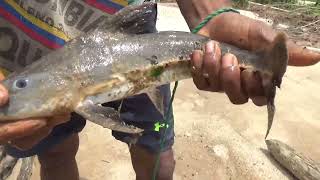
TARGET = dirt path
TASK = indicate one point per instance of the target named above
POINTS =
(303, 28)
(206, 123)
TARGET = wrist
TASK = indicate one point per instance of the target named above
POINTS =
(204, 24)
(196, 11)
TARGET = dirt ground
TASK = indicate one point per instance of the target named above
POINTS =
(213, 135)
(302, 27)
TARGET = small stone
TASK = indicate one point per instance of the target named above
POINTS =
(221, 151)
(194, 124)
(187, 134)
(199, 102)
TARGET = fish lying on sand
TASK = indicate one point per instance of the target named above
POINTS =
(118, 60)
(300, 166)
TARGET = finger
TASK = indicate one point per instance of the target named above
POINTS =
(196, 63)
(4, 95)
(28, 142)
(252, 84)
(259, 100)
(11, 131)
(211, 66)
(2, 77)
(231, 81)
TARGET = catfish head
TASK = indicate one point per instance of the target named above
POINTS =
(50, 86)
(38, 95)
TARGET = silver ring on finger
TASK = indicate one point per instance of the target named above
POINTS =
(206, 75)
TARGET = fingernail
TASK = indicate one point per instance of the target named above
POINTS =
(210, 47)
(206, 75)
(214, 50)
(234, 60)
(193, 68)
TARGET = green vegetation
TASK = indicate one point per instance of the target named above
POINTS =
(241, 3)
(276, 1)
(291, 5)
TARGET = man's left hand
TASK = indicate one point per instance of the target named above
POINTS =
(216, 73)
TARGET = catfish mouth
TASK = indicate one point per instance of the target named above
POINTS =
(8, 114)
(19, 108)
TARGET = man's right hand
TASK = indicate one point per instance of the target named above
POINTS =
(24, 134)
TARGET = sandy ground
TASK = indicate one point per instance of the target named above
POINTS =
(214, 138)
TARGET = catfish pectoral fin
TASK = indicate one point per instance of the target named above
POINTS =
(156, 97)
(106, 117)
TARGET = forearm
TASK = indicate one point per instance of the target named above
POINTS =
(227, 27)
(194, 11)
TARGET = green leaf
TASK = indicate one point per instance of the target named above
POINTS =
(157, 71)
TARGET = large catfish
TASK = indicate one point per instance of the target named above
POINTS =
(118, 60)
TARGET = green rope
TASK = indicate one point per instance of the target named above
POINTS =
(168, 120)
(169, 123)
(210, 16)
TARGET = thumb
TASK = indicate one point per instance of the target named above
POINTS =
(301, 56)
(251, 34)
(4, 94)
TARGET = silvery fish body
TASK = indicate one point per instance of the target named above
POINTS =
(118, 60)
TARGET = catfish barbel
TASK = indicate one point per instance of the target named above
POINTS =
(117, 60)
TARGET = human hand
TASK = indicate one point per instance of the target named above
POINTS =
(239, 30)
(212, 72)
(216, 73)
(23, 134)
(254, 35)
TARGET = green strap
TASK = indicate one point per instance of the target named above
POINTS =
(210, 16)
(168, 119)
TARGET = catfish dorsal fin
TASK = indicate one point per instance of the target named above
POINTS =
(133, 19)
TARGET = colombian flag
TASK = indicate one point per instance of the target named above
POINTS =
(108, 6)
(36, 29)
(42, 32)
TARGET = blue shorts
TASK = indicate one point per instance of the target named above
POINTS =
(136, 110)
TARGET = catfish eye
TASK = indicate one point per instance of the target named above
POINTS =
(21, 83)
